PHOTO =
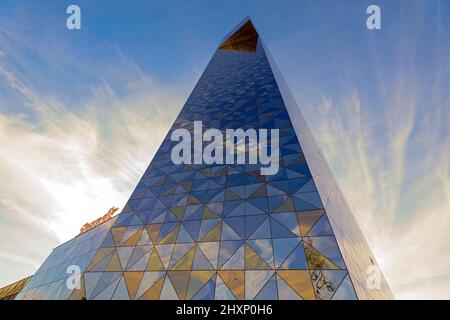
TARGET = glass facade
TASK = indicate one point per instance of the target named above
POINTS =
(197, 231)
(10, 292)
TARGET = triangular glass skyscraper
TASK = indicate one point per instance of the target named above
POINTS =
(225, 231)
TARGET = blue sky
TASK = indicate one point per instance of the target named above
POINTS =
(82, 112)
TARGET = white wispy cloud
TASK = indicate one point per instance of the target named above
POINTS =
(61, 167)
(383, 127)
(394, 170)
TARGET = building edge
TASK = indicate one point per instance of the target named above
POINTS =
(353, 245)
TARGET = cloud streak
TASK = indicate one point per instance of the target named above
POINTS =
(61, 167)
(393, 168)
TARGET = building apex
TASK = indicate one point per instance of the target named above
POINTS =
(243, 37)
